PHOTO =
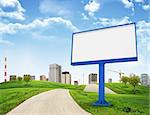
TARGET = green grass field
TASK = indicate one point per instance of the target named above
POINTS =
(10, 98)
(124, 103)
(13, 93)
(127, 89)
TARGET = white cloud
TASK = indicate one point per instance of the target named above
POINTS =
(39, 36)
(146, 7)
(50, 6)
(130, 4)
(139, 1)
(112, 21)
(84, 17)
(18, 12)
(143, 32)
(127, 3)
(92, 7)
(14, 27)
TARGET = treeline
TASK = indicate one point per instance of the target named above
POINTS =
(133, 80)
(25, 78)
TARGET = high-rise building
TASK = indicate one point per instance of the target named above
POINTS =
(54, 73)
(66, 77)
(92, 78)
(145, 80)
(43, 77)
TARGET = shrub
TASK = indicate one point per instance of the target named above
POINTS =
(27, 78)
(19, 78)
(124, 79)
(134, 81)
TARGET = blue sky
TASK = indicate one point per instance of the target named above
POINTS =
(36, 33)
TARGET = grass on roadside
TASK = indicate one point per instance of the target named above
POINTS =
(122, 104)
(15, 92)
(10, 98)
(121, 88)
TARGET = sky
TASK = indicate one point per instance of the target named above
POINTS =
(36, 33)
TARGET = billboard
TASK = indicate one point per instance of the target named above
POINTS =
(111, 44)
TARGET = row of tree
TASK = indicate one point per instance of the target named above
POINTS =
(26, 78)
(134, 80)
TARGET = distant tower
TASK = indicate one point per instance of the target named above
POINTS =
(92, 78)
(5, 70)
(54, 73)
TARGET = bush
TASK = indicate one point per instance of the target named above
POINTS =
(19, 78)
(27, 78)
(134, 81)
(124, 79)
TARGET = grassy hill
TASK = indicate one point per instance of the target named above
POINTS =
(37, 84)
(124, 103)
(15, 92)
(121, 88)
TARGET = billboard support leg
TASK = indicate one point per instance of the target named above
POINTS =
(101, 92)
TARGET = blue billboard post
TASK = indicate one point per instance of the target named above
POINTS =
(101, 91)
(100, 47)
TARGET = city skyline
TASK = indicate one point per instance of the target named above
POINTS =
(34, 37)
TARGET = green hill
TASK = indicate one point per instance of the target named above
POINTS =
(37, 84)
(125, 102)
(15, 92)
(121, 88)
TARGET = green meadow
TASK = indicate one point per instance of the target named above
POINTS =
(123, 103)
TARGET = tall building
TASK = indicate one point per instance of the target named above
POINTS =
(54, 73)
(145, 80)
(43, 77)
(92, 78)
(66, 77)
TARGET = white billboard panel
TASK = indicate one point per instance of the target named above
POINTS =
(117, 42)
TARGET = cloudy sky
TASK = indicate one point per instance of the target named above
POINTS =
(36, 33)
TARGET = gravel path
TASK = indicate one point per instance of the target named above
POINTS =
(54, 102)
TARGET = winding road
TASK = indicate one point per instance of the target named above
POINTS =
(54, 102)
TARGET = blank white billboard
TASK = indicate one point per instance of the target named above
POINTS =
(104, 44)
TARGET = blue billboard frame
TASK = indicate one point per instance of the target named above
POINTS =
(101, 100)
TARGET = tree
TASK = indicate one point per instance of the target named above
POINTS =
(134, 81)
(19, 78)
(124, 79)
(27, 78)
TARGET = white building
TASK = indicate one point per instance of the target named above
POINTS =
(92, 78)
(43, 77)
(145, 80)
(54, 73)
(66, 77)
